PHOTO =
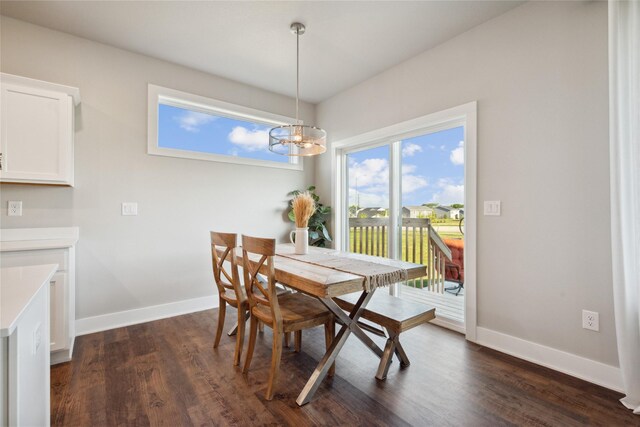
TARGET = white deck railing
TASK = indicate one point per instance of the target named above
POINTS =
(420, 244)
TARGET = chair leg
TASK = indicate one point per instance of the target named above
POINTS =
(253, 332)
(276, 353)
(222, 311)
(260, 326)
(329, 334)
(239, 336)
(298, 341)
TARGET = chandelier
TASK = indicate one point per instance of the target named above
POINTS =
(297, 139)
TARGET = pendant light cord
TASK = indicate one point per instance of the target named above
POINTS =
(297, 72)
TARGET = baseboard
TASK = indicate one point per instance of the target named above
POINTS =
(60, 356)
(448, 324)
(104, 322)
(577, 366)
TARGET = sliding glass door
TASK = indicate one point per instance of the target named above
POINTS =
(404, 199)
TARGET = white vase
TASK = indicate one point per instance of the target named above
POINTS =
(301, 241)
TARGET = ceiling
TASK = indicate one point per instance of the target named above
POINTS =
(345, 43)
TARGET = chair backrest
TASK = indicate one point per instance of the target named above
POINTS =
(457, 258)
(225, 279)
(257, 294)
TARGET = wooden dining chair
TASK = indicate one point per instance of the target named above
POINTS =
(230, 290)
(286, 313)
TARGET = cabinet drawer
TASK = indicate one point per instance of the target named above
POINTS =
(26, 258)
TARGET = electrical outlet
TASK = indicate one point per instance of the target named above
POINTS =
(591, 320)
(14, 208)
(129, 208)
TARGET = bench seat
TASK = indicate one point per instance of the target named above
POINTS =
(395, 316)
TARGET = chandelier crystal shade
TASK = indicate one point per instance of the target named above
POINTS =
(297, 139)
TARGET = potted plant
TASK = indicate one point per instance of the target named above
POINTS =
(317, 224)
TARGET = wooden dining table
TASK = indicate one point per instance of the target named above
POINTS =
(325, 283)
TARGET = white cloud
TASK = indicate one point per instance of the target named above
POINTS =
(410, 149)
(368, 199)
(457, 154)
(369, 180)
(411, 183)
(406, 169)
(369, 172)
(250, 140)
(192, 120)
(449, 194)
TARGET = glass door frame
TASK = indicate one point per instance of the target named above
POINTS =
(464, 115)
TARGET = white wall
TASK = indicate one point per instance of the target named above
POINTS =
(539, 74)
(162, 255)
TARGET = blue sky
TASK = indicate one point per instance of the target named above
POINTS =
(194, 131)
(432, 171)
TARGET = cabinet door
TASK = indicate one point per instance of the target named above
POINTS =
(57, 310)
(37, 135)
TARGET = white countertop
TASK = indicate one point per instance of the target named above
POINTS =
(18, 286)
(27, 239)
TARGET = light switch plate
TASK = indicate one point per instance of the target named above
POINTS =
(129, 208)
(14, 208)
(492, 207)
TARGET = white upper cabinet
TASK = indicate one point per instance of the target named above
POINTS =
(37, 129)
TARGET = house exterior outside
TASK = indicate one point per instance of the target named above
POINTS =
(448, 212)
(416, 211)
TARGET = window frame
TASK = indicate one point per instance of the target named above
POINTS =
(161, 95)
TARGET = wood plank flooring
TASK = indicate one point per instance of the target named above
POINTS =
(166, 373)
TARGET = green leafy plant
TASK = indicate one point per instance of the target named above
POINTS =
(318, 233)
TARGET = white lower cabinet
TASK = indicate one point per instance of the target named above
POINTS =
(35, 246)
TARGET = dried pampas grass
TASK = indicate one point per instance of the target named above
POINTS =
(303, 208)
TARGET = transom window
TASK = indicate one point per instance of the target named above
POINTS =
(194, 127)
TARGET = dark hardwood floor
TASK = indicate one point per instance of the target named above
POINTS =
(167, 373)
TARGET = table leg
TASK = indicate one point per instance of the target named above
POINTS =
(321, 370)
(349, 325)
(352, 321)
(233, 330)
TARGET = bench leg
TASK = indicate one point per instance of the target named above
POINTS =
(385, 362)
(402, 356)
(392, 347)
